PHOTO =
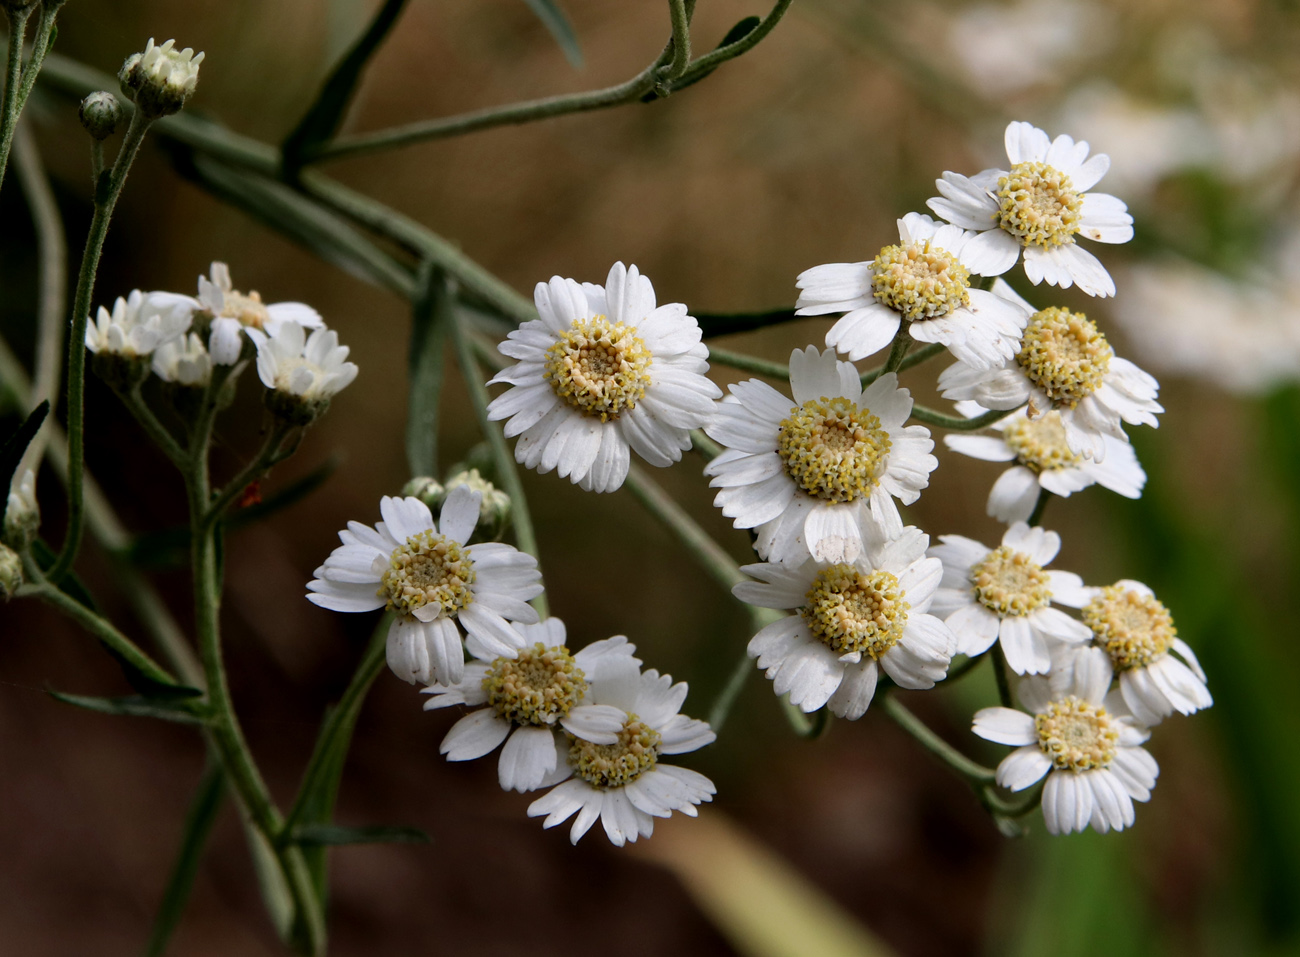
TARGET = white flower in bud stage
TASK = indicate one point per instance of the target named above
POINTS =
(808, 473)
(923, 281)
(604, 370)
(1005, 594)
(1082, 739)
(1136, 630)
(138, 324)
(184, 361)
(623, 783)
(1041, 205)
(22, 515)
(1066, 364)
(161, 78)
(534, 689)
(233, 312)
(1043, 460)
(426, 574)
(313, 369)
(852, 619)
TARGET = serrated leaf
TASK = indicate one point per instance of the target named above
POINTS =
(555, 21)
(11, 453)
(171, 708)
(335, 834)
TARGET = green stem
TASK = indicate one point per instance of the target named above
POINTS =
(738, 360)
(726, 698)
(1013, 809)
(271, 454)
(162, 438)
(681, 38)
(704, 446)
(898, 351)
(715, 58)
(810, 726)
(905, 719)
(1036, 517)
(106, 194)
(958, 423)
(10, 105)
(999, 660)
(910, 360)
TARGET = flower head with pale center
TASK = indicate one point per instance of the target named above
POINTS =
(234, 312)
(1086, 742)
(1041, 205)
(808, 472)
(138, 324)
(313, 368)
(427, 574)
(183, 361)
(922, 281)
(603, 371)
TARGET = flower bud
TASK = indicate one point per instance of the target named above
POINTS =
(160, 79)
(427, 490)
(100, 113)
(120, 372)
(494, 512)
(295, 409)
(11, 572)
(22, 518)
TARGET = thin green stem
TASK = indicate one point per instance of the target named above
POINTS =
(898, 351)
(106, 194)
(704, 446)
(271, 454)
(162, 438)
(96, 160)
(810, 726)
(715, 58)
(909, 722)
(726, 698)
(738, 360)
(1036, 517)
(958, 423)
(999, 660)
(910, 360)
(1013, 809)
(681, 38)
(41, 45)
(10, 105)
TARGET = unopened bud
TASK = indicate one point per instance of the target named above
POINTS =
(427, 490)
(160, 79)
(294, 409)
(100, 113)
(11, 572)
(22, 518)
(494, 511)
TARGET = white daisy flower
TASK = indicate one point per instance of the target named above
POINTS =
(808, 474)
(312, 369)
(1066, 364)
(603, 370)
(184, 361)
(1043, 460)
(433, 582)
(138, 324)
(1085, 743)
(533, 689)
(1041, 205)
(852, 620)
(1136, 630)
(924, 281)
(623, 783)
(162, 78)
(1005, 594)
(233, 311)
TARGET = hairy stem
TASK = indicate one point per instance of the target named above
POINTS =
(945, 752)
(999, 660)
(958, 423)
(738, 360)
(910, 360)
(10, 105)
(1036, 517)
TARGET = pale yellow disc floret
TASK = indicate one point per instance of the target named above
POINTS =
(849, 611)
(614, 765)
(247, 308)
(919, 280)
(1040, 443)
(430, 569)
(598, 367)
(1010, 583)
(538, 686)
(1134, 629)
(834, 450)
(1038, 205)
(1064, 354)
(1077, 736)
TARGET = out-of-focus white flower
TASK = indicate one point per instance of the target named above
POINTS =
(1085, 742)
(603, 369)
(161, 78)
(533, 691)
(623, 784)
(1005, 594)
(807, 474)
(138, 324)
(1066, 364)
(1040, 205)
(924, 281)
(233, 311)
(313, 369)
(1043, 460)
(852, 619)
(184, 361)
(432, 581)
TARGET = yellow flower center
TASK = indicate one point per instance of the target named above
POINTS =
(833, 449)
(599, 368)
(248, 309)
(850, 611)
(614, 765)
(429, 569)
(1040, 443)
(538, 686)
(1134, 629)
(1009, 583)
(1077, 736)
(1038, 205)
(1064, 354)
(919, 280)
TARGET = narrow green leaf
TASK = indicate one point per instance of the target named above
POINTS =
(430, 315)
(335, 834)
(11, 453)
(726, 324)
(553, 18)
(173, 708)
(198, 825)
(323, 119)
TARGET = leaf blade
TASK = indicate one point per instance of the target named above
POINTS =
(557, 23)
